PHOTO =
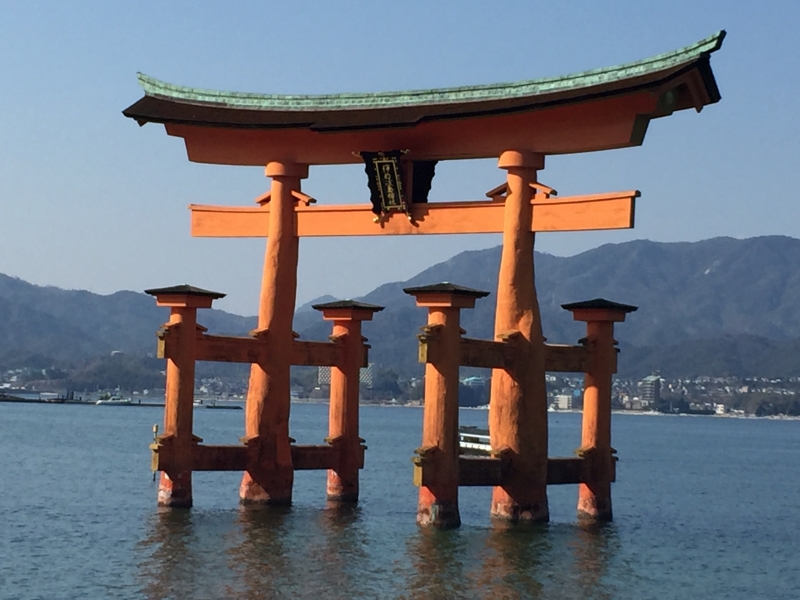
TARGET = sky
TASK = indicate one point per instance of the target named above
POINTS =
(89, 200)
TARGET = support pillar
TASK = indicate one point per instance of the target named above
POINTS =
(270, 475)
(343, 433)
(518, 404)
(177, 442)
(439, 452)
(594, 497)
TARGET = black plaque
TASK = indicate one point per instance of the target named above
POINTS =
(385, 175)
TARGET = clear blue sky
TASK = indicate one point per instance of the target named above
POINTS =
(88, 200)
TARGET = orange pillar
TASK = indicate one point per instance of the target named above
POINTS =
(594, 496)
(347, 316)
(177, 441)
(518, 405)
(269, 476)
(438, 493)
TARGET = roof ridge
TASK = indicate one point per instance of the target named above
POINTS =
(426, 97)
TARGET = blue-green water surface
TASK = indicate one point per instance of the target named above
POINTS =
(704, 507)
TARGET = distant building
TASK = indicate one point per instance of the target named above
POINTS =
(366, 375)
(650, 390)
(562, 402)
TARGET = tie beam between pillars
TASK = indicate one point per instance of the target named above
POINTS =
(177, 452)
(443, 349)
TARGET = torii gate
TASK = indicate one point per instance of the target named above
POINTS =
(518, 123)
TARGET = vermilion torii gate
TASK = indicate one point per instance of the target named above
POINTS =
(520, 124)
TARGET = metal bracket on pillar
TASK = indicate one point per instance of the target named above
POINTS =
(163, 450)
(339, 340)
(513, 340)
(336, 443)
(429, 343)
(506, 456)
(425, 466)
(593, 467)
(166, 336)
(252, 444)
(160, 451)
(365, 353)
(362, 449)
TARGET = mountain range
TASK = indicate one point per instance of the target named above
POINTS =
(717, 307)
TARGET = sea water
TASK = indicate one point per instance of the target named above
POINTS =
(704, 507)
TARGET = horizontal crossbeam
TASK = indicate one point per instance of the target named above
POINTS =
(558, 358)
(476, 471)
(562, 358)
(305, 457)
(220, 348)
(575, 213)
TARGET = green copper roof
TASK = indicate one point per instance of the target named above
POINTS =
(432, 97)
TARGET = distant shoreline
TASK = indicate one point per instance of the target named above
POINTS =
(160, 404)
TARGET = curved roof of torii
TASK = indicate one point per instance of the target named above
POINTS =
(594, 110)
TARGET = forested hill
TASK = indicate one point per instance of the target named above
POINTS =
(722, 291)
(719, 306)
(42, 323)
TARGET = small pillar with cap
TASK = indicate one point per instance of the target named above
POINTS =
(343, 434)
(176, 443)
(437, 463)
(594, 496)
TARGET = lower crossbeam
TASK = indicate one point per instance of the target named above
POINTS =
(305, 457)
(476, 471)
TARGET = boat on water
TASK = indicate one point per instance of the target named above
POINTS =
(213, 404)
(113, 400)
(474, 441)
(223, 406)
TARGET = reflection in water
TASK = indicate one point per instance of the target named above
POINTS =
(254, 553)
(592, 546)
(259, 560)
(305, 552)
(299, 553)
(344, 553)
(511, 564)
(169, 569)
(438, 559)
(538, 561)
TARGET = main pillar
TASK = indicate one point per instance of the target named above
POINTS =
(176, 444)
(518, 405)
(269, 476)
(594, 496)
(347, 316)
(439, 452)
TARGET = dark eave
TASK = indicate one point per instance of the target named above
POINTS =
(445, 288)
(185, 290)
